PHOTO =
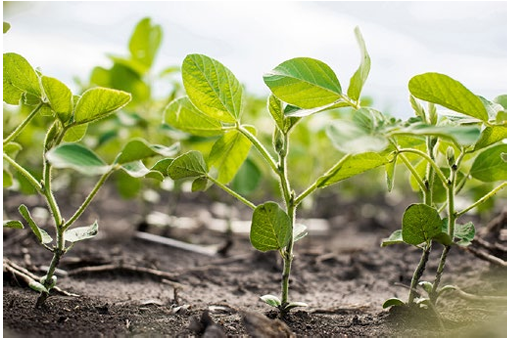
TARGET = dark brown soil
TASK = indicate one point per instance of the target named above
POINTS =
(339, 271)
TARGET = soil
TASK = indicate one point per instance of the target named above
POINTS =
(129, 286)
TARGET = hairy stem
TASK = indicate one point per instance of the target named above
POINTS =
(259, 146)
(31, 179)
(440, 270)
(483, 199)
(231, 192)
(419, 270)
(87, 201)
(23, 124)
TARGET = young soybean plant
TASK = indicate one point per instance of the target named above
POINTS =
(444, 154)
(302, 86)
(69, 116)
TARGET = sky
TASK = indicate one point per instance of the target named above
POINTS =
(465, 40)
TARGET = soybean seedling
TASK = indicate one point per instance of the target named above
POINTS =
(69, 117)
(444, 154)
(300, 87)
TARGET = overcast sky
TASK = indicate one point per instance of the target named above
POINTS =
(465, 40)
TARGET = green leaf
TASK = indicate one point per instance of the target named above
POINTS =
(395, 238)
(137, 169)
(8, 180)
(354, 165)
(19, 77)
(501, 100)
(212, 88)
(489, 165)
(348, 137)
(361, 74)
(12, 149)
(162, 166)
(77, 157)
(465, 233)
(491, 135)
(183, 115)
(276, 109)
(41, 235)
(200, 184)
(127, 186)
(304, 82)
(420, 224)
(271, 300)
(447, 92)
(59, 97)
(247, 178)
(81, 233)
(139, 149)
(76, 133)
(393, 302)
(390, 173)
(13, 224)
(427, 286)
(271, 227)
(190, 164)
(145, 42)
(98, 103)
(228, 154)
(7, 26)
(36, 286)
(462, 135)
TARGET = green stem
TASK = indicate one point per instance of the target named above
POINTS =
(31, 179)
(425, 156)
(87, 201)
(419, 270)
(50, 198)
(414, 172)
(58, 252)
(23, 124)
(482, 200)
(322, 179)
(259, 146)
(287, 263)
(430, 173)
(440, 270)
(231, 192)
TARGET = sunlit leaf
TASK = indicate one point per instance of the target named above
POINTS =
(98, 103)
(271, 300)
(304, 82)
(395, 238)
(13, 224)
(491, 135)
(139, 149)
(361, 74)
(19, 77)
(59, 97)
(393, 302)
(212, 88)
(190, 164)
(228, 154)
(145, 42)
(447, 92)
(183, 115)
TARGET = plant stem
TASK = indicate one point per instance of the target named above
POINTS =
(50, 198)
(414, 172)
(263, 151)
(419, 270)
(87, 201)
(23, 124)
(322, 179)
(58, 252)
(430, 173)
(31, 179)
(231, 192)
(441, 266)
(482, 200)
(291, 206)
(430, 161)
